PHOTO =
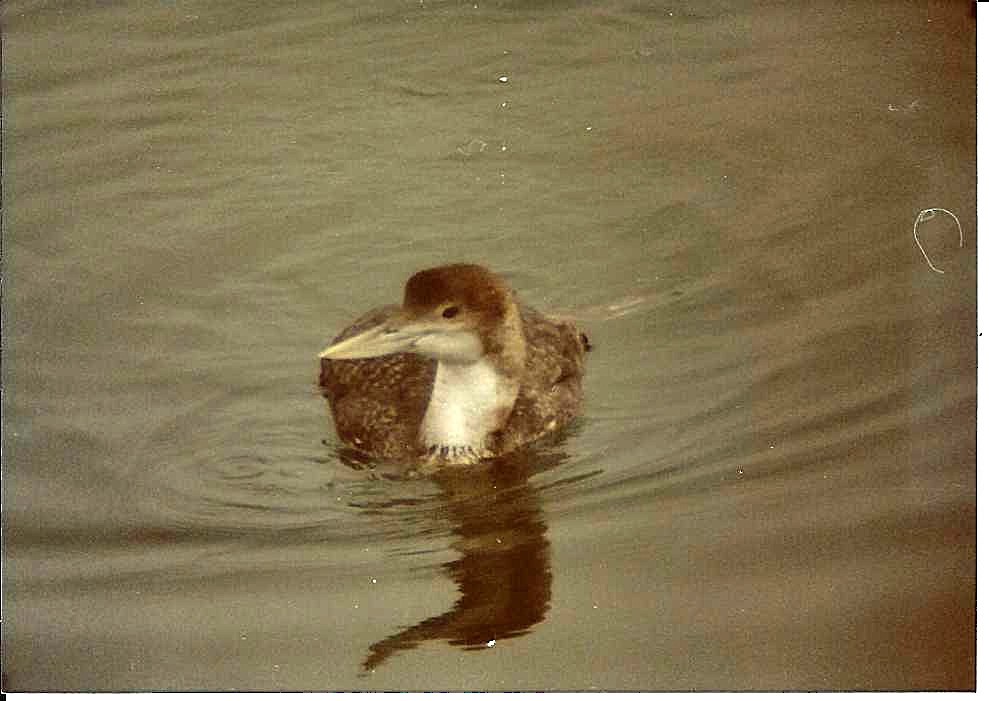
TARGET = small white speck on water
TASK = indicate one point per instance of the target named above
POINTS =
(503, 79)
(909, 108)
(490, 643)
(504, 104)
(588, 128)
(374, 580)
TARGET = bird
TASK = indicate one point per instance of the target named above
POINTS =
(459, 373)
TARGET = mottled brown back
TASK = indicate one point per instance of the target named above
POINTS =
(551, 393)
(378, 403)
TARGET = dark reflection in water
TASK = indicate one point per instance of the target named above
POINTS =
(503, 573)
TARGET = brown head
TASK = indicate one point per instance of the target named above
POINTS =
(473, 287)
(456, 312)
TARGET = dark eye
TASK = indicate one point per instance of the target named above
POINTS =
(450, 312)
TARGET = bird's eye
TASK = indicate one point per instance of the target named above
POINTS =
(450, 312)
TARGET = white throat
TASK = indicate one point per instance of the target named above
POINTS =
(468, 402)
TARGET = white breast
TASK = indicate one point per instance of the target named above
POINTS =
(467, 403)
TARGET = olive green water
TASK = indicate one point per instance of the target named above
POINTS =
(773, 485)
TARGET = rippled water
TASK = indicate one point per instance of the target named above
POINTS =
(773, 485)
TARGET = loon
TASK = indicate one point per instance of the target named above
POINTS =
(459, 373)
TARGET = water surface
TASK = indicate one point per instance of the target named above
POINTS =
(773, 485)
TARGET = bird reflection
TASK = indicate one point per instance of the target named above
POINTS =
(503, 573)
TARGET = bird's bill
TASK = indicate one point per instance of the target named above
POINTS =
(391, 336)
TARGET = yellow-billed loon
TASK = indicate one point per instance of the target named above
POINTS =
(460, 372)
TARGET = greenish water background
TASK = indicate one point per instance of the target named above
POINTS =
(774, 483)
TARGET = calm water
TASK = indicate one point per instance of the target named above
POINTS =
(774, 483)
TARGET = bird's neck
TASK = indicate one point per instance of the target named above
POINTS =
(468, 402)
